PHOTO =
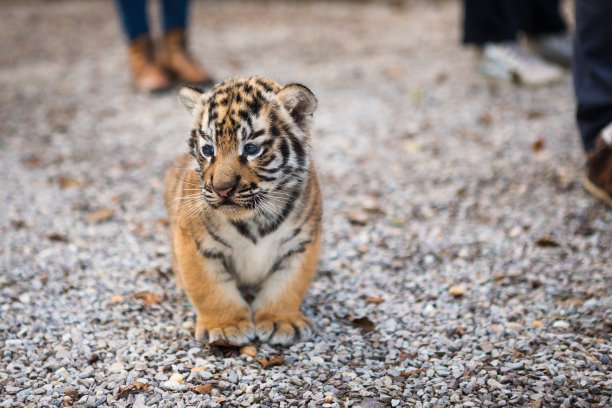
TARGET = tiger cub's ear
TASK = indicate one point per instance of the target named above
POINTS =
(189, 97)
(300, 102)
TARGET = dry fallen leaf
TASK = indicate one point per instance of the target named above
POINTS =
(546, 242)
(375, 300)
(363, 323)
(57, 237)
(407, 374)
(72, 394)
(457, 290)
(358, 218)
(272, 361)
(203, 389)
(535, 114)
(136, 386)
(18, 224)
(148, 298)
(538, 145)
(403, 355)
(32, 162)
(100, 215)
(250, 351)
(223, 343)
(68, 182)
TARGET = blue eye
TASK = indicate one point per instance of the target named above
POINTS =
(251, 149)
(208, 150)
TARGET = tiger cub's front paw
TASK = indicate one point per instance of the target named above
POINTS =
(283, 329)
(237, 331)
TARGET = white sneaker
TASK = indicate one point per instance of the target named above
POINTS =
(556, 48)
(510, 61)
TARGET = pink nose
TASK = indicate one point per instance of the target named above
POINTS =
(224, 192)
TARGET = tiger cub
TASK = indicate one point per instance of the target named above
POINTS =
(244, 208)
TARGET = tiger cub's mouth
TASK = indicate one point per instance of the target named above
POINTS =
(231, 207)
(228, 203)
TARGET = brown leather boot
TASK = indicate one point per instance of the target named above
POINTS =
(599, 167)
(177, 60)
(146, 73)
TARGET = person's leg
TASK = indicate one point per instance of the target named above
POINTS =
(493, 24)
(546, 31)
(133, 14)
(175, 14)
(539, 17)
(177, 59)
(593, 68)
(593, 87)
(489, 21)
(146, 74)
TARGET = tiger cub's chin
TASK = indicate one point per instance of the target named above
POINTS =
(244, 208)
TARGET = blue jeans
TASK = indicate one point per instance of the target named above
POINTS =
(133, 15)
(593, 68)
(500, 20)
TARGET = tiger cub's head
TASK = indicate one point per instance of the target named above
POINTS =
(250, 139)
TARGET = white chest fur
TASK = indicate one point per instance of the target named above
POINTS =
(252, 262)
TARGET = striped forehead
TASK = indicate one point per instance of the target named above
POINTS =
(233, 110)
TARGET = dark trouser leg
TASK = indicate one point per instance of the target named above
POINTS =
(593, 68)
(537, 17)
(133, 15)
(175, 14)
(489, 21)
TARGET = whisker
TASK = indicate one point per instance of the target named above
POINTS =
(188, 196)
(183, 181)
(269, 208)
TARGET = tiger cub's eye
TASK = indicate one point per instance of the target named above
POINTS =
(250, 149)
(208, 150)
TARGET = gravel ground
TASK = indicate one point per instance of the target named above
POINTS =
(462, 265)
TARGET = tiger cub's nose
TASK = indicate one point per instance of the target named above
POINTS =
(225, 189)
(224, 192)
